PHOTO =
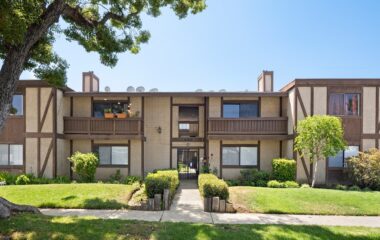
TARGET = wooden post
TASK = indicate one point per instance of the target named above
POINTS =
(157, 202)
(151, 204)
(166, 199)
(222, 206)
(207, 204)
(215, 204)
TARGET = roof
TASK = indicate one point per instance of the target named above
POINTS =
(331, 82)
(39, 83)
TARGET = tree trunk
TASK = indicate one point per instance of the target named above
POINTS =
(7, 208)
(314, 174)
(17, 56)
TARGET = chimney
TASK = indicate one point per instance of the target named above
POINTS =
(90, 82)
(265, 81)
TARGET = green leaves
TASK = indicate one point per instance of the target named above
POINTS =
(319, 137)
(108, 27)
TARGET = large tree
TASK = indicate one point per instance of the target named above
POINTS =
(319, 137)
(28, 29)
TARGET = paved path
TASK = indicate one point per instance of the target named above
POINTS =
(187, 207)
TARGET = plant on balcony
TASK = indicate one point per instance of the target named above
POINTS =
(108, 113)
(318, 137)
(122, 114)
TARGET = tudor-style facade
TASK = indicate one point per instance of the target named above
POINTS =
(229, 130)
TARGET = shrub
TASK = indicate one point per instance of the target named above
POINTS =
(305, 186)
(276, 184)
(211, 186)
(10, 179)
(155, 183)
(291, 184)
(354, 188)
(253, 177)
(341, 187)
(364, 170)
(2, 179)
(261, 183)
(84, 164)
(129, 180)
(284, 169)
(22, 180)
(117, 177)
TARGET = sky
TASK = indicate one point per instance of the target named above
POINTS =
(232, 41)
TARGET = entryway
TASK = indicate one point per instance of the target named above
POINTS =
(188, 163)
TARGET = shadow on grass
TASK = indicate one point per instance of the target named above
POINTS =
(44, 227)
(93, 203)
(71, 197)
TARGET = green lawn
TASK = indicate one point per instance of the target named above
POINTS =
(92, 196)
(305, 201)
(44, 227)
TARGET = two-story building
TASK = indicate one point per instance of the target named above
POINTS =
(136, 131)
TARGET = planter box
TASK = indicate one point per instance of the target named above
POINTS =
(121, 115)
(108, 115)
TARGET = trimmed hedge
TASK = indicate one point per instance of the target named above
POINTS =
(12, 179)
(155, 183)
(287, 184)
(284, 169)
(211, 186)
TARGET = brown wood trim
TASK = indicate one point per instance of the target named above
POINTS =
(38, 110)
(71, 165)
(189, 139)
(249, 137)
(220, 159)
(187, 104)
(171, 134)
(298, 96)
(114, 166)
(238, 166)
(312, 101)
(281, 110)
(221, 107)
(46, 158)
(38, 156)
(206, 151)
(47, 109)
(71, 106)
(7, 167)
(377, 116)
(143, 140)
(280, 148)
(92, 106)
(129, 158)
(305, 168)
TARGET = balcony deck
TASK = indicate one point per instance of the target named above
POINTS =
(85, 127)
(248, 128)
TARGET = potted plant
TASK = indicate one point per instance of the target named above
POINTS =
(108, 113)
(13, 111)
(121, 114)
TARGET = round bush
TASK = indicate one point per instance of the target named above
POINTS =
(84, 164)
(22, 180)
(284, 169)
(291, 184)
(276, 184)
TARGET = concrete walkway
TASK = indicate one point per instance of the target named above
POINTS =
(188, 207)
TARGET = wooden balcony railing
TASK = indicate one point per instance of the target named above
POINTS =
(114, 126)
(248, 126)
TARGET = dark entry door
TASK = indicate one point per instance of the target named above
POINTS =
(187, 163)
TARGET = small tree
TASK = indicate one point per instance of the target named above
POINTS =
(84, 164)
(319, 137)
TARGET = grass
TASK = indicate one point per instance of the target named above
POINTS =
(43, 227)
(306, 201)
(91, 196)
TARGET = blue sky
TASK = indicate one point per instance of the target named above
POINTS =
(232, 41)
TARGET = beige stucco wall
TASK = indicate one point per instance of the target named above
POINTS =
(320, 100)
(136, 104)
(174, 157)
(45, 142)
(188, 144)
(48, 124)
(201, 125)
(268, 83)
(290, 111)
(175, 133)
(369, 109)
(368, 143)
(157, 146)
(215, 107)
(104, 173)
(305, 93)
(81, 145)
(188, 100)
(63, 109)
(82, 107)
(214, 157)
(31, 155)
(31, 105)
(269, 149)
(63, 152)
(270, 107)
(135, 161)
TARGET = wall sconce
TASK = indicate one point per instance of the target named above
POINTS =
(159, 129)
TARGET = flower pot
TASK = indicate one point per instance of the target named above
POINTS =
(121, 115)
(108, 115)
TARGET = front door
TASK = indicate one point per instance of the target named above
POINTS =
(187, 163)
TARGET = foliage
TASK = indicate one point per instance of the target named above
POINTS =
(10, 179)
(129, 180)
(117, 177)
(284, 169)
(305, 185)
(105, 27)
(211, 186)
(84, 164)
(354, 188)
(364, 170)
(341, 187)
(319, 137)
(155, 183)
(276, 184)
(205, 169)
(22, 180)
(291, 184)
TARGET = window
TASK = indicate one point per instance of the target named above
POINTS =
(339, 160)
(189, 129)
(344, 104)
(112, 155)
(116, 107)
(239, 156)
(11, 154)
(188, 113)
(17, 108)
(188, 121)
(240, 110)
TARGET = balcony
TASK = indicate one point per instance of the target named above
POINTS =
(102, 127)
(246, 128)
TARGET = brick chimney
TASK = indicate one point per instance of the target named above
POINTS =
(90, 82)
(265, 81)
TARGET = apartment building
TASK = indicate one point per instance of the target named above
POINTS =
(136, 131)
